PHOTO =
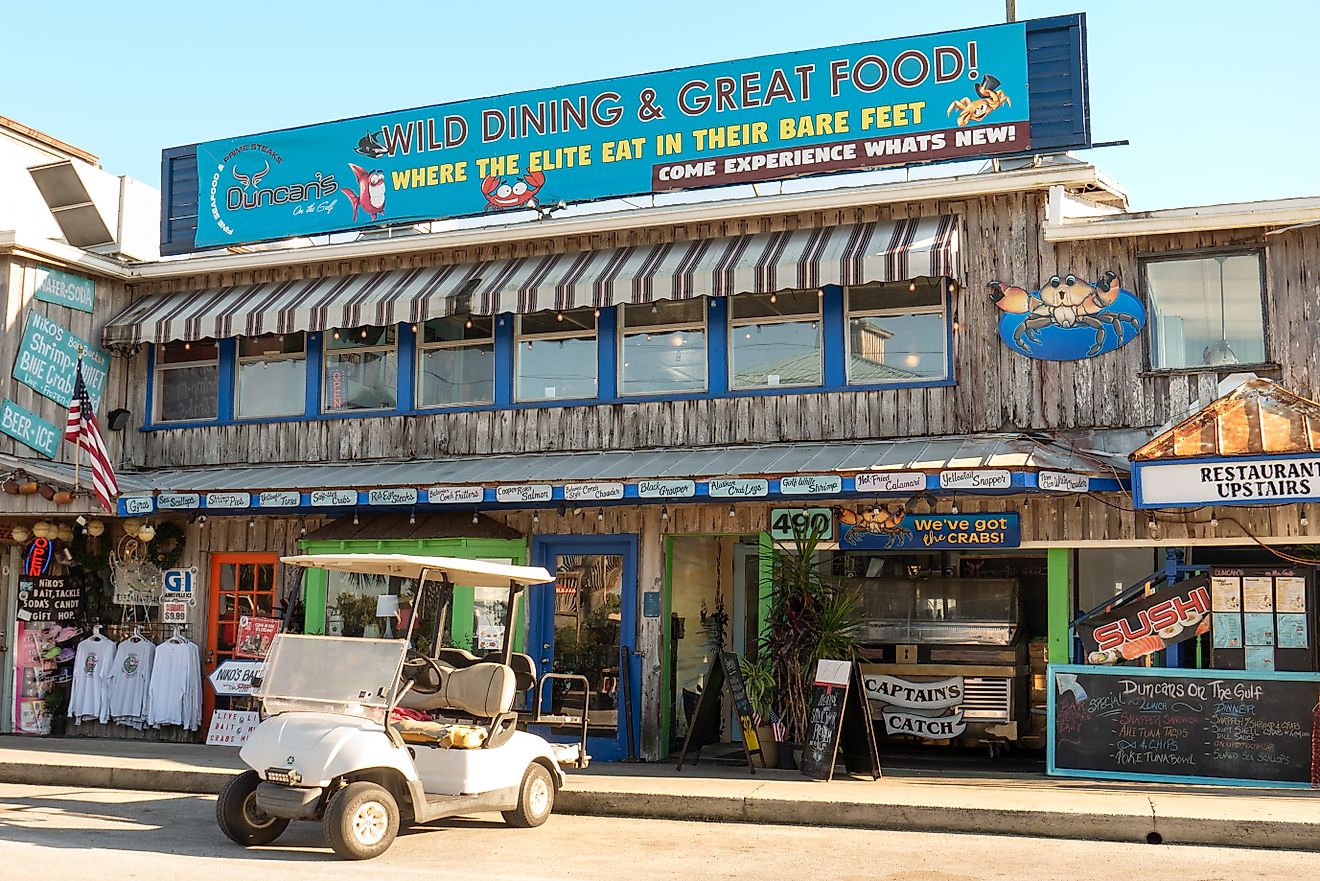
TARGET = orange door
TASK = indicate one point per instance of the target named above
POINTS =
(241, 584)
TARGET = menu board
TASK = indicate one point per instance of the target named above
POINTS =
(1148, 723)
(1259, 618)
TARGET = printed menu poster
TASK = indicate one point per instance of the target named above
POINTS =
(1260, 657)
(1290, 594)
(1258, 594)
(1292, 631)
(1227, 630)
(1225, 594)
(1259, 628)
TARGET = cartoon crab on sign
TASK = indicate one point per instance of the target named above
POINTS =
(878, 520)
(1044, 323)
(975, 110)
(520, 194)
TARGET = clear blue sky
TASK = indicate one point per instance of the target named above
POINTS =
(1218, 99)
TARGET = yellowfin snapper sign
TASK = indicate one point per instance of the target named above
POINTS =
(953, 95)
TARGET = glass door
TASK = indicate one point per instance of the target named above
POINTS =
(241, 585)
(586, 623)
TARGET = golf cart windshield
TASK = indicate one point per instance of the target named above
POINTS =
(331, 674)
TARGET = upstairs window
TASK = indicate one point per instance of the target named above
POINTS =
(187, 381)
(775, 340)
(1206, 311)
(456, 361)
(271, 379)
(897, 332)
(361, 371)
(556, 356)
(662, 347)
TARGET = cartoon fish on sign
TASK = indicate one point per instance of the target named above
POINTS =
(370, 195)
(369, 146)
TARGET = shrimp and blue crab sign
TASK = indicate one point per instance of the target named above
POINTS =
(939, 97)
(1068, 318)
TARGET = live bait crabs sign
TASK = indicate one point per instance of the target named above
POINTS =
(953, 95)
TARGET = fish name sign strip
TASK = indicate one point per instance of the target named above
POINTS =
(455, 495)
(279, 499)
(903, 101)
(932, 531)
(890, 482)
(1254, 481)
(1192, 726)
(592, 492)
(666, 489)
(811, 485)
(976, 478)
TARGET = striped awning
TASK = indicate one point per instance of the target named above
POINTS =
(761, 263)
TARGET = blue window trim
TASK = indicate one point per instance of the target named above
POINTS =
(834, 344)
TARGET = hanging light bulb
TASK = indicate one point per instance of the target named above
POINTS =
(1214, 521)
(414, 328)
(475, 519)
(1151, 523)
(355, 518)
(596, 312)
(412, 518)
(912, 287)
(774, 298)
(336, 333)
(600, 515)
(364, 333)
(577, 511)
(468, 324)
(252, 522)
(955, 508)
(1304, 521)
(559, 316)
(536, 518)
(187, 347)
(302, 527)
(732, 512)
(664, 512)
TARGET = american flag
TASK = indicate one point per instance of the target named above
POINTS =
(777, 726)
(83, 431)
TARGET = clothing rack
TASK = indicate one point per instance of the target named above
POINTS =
(157, 633)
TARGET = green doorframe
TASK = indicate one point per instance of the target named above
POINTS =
(1059, 569)
(766, 584)
(315, 593)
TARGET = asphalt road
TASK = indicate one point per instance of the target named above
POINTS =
(58, 833)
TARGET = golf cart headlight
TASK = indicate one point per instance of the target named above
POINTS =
(283, 775)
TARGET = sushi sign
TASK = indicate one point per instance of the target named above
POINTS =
(1148, 625)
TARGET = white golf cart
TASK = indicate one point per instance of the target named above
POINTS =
(333, 749)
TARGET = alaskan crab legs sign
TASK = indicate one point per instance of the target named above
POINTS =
(955, 95)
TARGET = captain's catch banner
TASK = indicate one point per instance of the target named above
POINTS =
(960, 94)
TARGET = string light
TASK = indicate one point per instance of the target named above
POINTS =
(355, 518)
(600, 515)
(412, 518)
(732, 512)
(414, 328)
(1214, 521)
(468, 325)
(364, 333)
(955, 508)
(559, 316)
(252, 522)
(664, 512)
(774, 298)
(536, 517)
(336, 333)
(474, 518)
(596, 312)
(912, 287)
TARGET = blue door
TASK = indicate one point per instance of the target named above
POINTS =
(586, 623)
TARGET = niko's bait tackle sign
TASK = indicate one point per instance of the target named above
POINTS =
(954, 95)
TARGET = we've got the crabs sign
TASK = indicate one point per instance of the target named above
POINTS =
(1069, 318)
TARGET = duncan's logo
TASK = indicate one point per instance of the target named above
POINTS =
(249, 193)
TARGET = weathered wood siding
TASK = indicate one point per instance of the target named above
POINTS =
(996, 389)
(17, 284)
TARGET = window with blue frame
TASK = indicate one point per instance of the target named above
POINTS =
(555, 359)
(270, 377)
(897, 332)
(187, 383)
(775, 340)
(361, 369)
(662, 347)
(456, 361)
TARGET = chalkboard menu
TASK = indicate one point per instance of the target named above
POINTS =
(1149, 723)
(737, 690)
(725, 673)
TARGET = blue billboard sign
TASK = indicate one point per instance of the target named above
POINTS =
(877, 530)
(959, 94)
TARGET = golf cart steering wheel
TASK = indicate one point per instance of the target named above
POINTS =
(426, 676)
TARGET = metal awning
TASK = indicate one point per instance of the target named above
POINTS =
(757, 263)
(1013, 452)
(62, 473)
(1257, 418)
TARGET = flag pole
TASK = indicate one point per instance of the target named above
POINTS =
(77, 443)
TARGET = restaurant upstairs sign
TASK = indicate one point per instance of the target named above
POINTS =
(1264, 480)
(954, 95)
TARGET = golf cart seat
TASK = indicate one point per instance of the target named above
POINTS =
(483, 690)
(524, 668)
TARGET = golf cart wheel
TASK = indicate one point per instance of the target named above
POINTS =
(239, 817)
(536, 799)
(361, 821)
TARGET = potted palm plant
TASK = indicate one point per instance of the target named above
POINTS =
(811, 616)
(759, 684)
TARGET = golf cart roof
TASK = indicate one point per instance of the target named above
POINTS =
(469, 573)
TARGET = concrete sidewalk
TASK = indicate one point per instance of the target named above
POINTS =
(948, 800)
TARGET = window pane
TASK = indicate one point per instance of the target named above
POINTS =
(187, 392)
(770, 305)
(271, 344)
(895, 295)
(1195, 321)
(784, 353)
(349, 337)
(180, 352)
(454, 328)
(271, 387)
(557, 322)
(557, 369)
(672, 361)
(895, 348)
(359, 381)
(457, 375)
(664, 313)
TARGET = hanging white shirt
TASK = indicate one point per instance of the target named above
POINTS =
(89, 697)
(130, 676)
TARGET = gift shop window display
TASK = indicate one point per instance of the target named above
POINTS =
(46, 608)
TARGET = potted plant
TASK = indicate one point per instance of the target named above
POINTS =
(810, 617)
(759, 684)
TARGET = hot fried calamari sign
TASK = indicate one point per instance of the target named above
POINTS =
(953, 95)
